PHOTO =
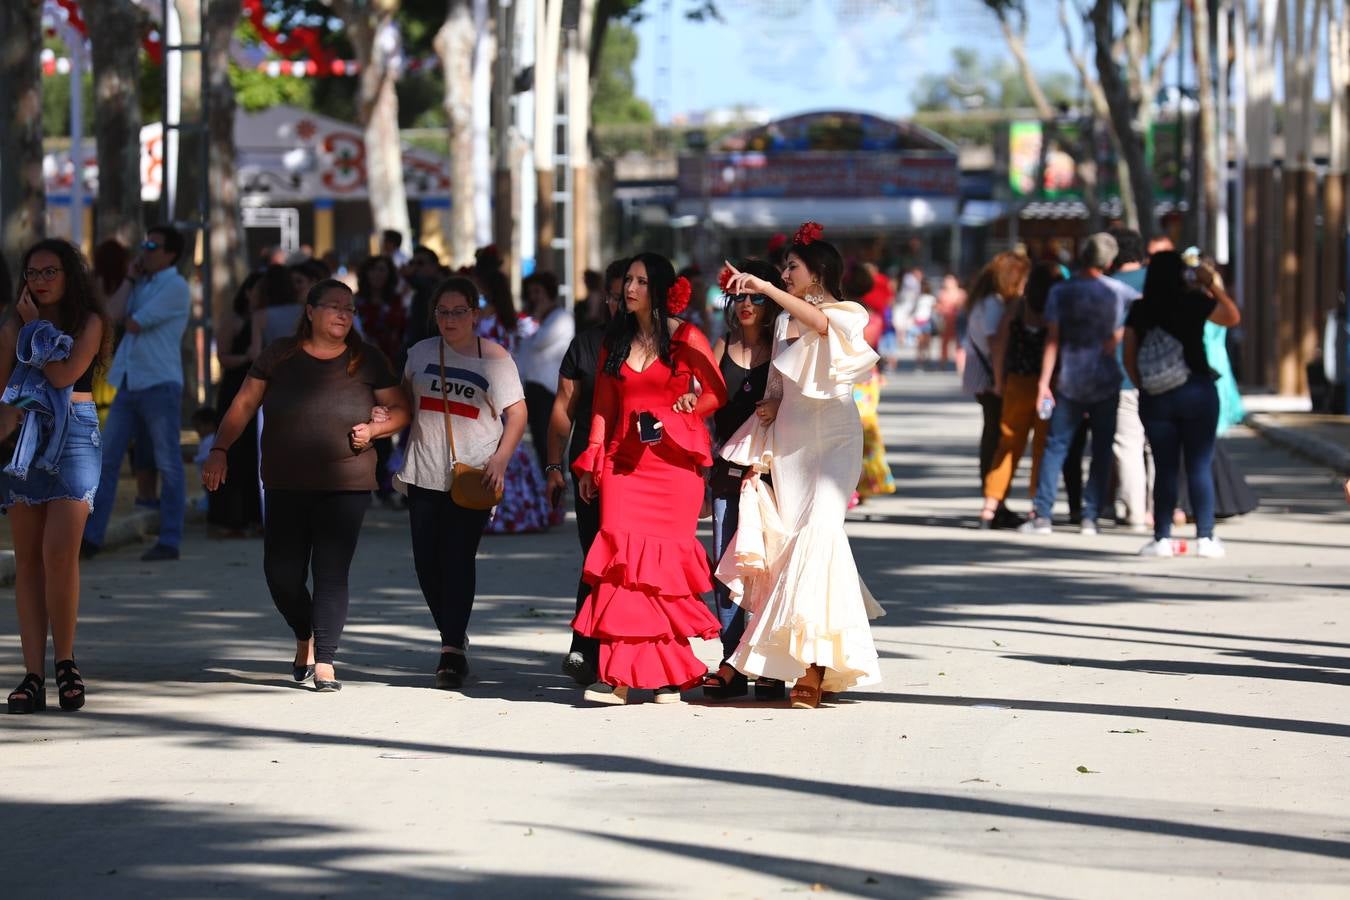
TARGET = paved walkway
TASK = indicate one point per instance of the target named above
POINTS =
(1059, 718)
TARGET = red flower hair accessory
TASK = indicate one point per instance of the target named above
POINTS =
(724, 278)
(777, 242)
(677, 298)
(809, 233)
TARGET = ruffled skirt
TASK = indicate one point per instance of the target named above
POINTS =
(647, 570)
(524, 507)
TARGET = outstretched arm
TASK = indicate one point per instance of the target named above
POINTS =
(799, 309)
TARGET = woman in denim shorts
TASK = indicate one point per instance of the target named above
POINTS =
(47, 488)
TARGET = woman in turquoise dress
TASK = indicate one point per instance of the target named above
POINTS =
(1232, 495)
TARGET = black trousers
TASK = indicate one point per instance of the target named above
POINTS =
(312, 532)
(992, 406)
(445, 539)
(237, 504)
(538, 409)
(588, 526)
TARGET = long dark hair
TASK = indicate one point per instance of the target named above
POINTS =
(388, 296)
(822, 259)
(624, 327)
(305, 329)
(760, 268)
(240, 304)
(111, 262)
(79, 303)
(492, 281)
(1042, 278)
(276, 287)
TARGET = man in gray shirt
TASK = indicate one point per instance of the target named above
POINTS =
(1085, 318)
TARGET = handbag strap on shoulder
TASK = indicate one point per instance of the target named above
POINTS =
(445, 404)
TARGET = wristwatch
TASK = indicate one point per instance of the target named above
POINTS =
(553, 467)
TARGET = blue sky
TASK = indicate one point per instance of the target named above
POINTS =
(852, 54)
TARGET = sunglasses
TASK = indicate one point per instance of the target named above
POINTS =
(149, 245)
(756, 299)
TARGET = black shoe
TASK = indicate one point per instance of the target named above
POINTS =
(302, 673)
(770, 689)
(159, 552)
(69, 682)
(327, 687)
(30, 696)
(715, 687)
(578, 669)
(1006, 518)
(88, 550)
(451, 670)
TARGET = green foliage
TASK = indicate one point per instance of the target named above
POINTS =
(975, 82)
(56, 105)
(614, 101)
(254, 90)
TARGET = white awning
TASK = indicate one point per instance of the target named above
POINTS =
(857, 213)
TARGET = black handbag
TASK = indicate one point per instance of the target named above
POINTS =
(725, 477)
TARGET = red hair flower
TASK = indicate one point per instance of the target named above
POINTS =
(724, 278)
(809, 233)
(677, 298)
(777, 242)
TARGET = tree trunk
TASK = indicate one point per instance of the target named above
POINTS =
(375, 38)
(228, 265)
(117, 117)
(454, 45)
(188, 199)
(1136, 181)
(505, 232)
(23, 200)
(548, 35)
(1207, 133)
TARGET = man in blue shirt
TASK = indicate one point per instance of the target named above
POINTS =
(147, 372)
(1085, 319)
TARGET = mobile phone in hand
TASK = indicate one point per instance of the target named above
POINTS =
(649, 428)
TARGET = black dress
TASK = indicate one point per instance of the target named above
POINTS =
(237, 505)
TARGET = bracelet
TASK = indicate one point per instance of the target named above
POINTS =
(553, 467)
(218, 450)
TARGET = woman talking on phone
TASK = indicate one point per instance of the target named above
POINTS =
(648, 445)
(61, 336)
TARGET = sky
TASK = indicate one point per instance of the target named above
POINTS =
(797, 55)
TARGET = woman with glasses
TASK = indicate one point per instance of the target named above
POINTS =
(468, 408)
(319, 391)
(48, 488)
(743, 359)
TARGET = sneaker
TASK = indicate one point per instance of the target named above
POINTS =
(1089, 526)
(1036, 525)
(159, 552)
(575, 667)
(609, 694)
(1160, 547)
(668, 694)
(1210, 548)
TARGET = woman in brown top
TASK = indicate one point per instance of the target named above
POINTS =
(319, 392)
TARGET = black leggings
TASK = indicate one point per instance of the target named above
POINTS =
(314, 531)
(445, 540)
(538, 410)
(588, 526)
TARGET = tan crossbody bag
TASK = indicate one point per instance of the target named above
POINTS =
(466, 483)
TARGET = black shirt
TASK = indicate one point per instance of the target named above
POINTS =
(1184, 318)
(579, 364)
(745, 388)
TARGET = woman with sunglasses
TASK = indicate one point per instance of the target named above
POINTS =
(743, 359)
(319, 392)
(469, 408)
(49, 503)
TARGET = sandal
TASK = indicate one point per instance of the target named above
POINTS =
(770, 689)
(451, 670)
(30, 696)
(805, 695)
(68, 681)
(716, 686)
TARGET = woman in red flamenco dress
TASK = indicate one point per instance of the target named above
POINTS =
(648, 445)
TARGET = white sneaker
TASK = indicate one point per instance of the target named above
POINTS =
(1036, 525)
(1160, 547)
(611, 695)
(1210, 548)
(1089, 526)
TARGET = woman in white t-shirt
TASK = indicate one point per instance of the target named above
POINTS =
(472, 382)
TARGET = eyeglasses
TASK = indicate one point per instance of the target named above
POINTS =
(458, 312)
(149, 245)
(756, 299)
(47, 274)
(340, 310)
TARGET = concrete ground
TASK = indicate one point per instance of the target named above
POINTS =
(1059, 718)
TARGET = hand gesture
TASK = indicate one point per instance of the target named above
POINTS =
(214, 470)
(586, 487)
(744, 283)
(767, 410)
(361, 436)
(494, 473)
(686, 402)
(27, 309)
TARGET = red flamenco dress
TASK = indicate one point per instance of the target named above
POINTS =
(647, 567)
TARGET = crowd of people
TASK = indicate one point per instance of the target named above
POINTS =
(428, 389)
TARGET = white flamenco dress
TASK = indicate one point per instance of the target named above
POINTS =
(790, 565)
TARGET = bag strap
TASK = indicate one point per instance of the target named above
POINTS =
(445, 404)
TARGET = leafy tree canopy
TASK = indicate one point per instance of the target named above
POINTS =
(976, 82)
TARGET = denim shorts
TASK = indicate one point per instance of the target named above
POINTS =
(78, 472)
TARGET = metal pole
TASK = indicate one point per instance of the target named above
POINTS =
(76, 45)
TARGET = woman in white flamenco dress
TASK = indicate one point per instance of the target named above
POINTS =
(790, 565)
